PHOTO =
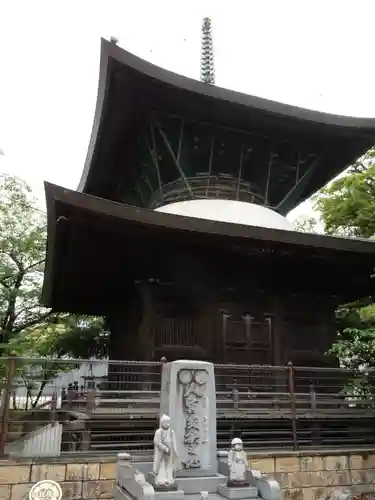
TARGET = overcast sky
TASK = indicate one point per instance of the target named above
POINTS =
(316, 54)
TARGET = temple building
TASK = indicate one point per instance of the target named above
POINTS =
(177, 232)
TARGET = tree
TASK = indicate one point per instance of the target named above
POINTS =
(347, 205)
(355, 345)
(305, 224)
(347, 208)
(22, 248)
(27, 328)
(355, 342)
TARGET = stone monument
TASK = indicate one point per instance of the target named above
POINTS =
(186, 462)
(188, 396)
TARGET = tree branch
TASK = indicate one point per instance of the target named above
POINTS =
(10, 313)
(17, 262)
(3, 282)
(27, 269)
(24, 309)
(31, 322)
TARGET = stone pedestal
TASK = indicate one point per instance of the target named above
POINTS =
(193, 486)
(188, 396)
(244, 493)
(169, 495)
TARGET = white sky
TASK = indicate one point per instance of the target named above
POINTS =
(316, 54)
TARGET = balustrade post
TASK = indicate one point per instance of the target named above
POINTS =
(5, 400)
(163, 360)
(312, 397)
(235, 396)
(54, 407)
(291, 385)
(70, 396)
(89, 410)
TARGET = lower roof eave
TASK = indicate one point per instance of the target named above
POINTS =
(64, 287)
(101, 207)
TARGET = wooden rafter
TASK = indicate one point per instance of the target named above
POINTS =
(154, 158)
(175, 159)
(212, 148)
(239, 172)
(293, 194)
(269, 169)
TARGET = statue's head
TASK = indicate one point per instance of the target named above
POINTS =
(237, 444)
(165, 422)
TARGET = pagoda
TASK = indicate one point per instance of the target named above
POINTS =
(177, 232)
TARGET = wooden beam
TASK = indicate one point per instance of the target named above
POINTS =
(154, 157)
(212, 147)
(239, 172)
(175, 159)
(268, 176)
(295, 192)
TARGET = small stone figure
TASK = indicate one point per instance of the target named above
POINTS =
(237, 464)
(165, 456)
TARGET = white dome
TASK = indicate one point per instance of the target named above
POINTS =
(236, 212)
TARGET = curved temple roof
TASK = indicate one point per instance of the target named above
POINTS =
(286, 152)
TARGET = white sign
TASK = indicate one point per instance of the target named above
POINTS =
(45, 490)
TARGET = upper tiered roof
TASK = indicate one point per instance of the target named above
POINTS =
(159, 137)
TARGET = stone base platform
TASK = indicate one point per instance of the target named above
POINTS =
(119, 494)
(169, 495)
(243, 493)
(195, 485)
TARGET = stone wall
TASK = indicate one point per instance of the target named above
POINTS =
(79, 478)
(313, 476)
(303, 476)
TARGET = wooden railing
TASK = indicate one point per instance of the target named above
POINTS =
(292, 407)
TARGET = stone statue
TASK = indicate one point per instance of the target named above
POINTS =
(237, 464)
(165, 455)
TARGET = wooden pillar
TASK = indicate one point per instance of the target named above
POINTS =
(209, 334)
(279, 335)
(279, 344)
(123, 322)
(145, 341)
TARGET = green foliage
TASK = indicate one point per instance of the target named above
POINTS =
(83, 338)
(355, 345)
(22, 247)
(305, 224)
(347, 205)
(347, 208)
(26, 328)
(355, 342)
